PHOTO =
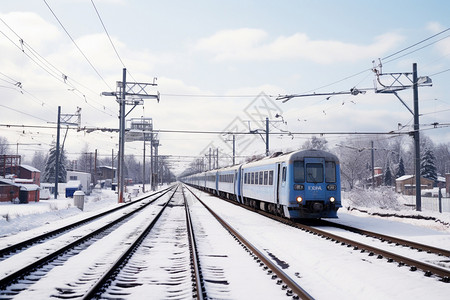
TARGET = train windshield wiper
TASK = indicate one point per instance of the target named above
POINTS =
(312, 178)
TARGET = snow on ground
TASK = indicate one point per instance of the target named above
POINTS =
(366, 209)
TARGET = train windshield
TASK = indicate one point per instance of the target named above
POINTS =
(299, 171)
(330, 171)
(314, 172)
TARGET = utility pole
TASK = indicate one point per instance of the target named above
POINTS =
(373, 166)
(57, 152)
(143, 167)
(267, 136)
(234, 149)
(112, 168)
(137, 92)
(66, 120)
(399, 82)
(417, 139)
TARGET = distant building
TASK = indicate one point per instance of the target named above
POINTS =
(29, 172)
(378, 177)
(8, 190)
(25, 177)
(83, 178)
(105, 173)
(407, 184)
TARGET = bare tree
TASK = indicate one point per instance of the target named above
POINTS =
(4, 147)
(39, 160)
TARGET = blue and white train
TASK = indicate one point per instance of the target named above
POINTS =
(296, 185)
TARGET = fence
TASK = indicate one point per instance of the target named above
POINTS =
(431, 203)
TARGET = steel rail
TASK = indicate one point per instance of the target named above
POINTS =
(429, 269)
(26, 243)
(200, 291)
(383, 237)
(283, 276)
(23, 271)
(96, 288)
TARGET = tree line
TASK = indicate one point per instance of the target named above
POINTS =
(46, 163)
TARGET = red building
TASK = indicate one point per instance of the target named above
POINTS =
(8, 190)
(23, 184)
(29, 172)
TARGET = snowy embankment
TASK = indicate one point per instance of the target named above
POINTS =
(385, 203)
(15, 218)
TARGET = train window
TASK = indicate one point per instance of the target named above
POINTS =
(270, 177)
(253, 178)
(314, 172)
(256, 177)
(261, 177)
(299, 171)
(266, 175)
(284, 175)
(245, 178)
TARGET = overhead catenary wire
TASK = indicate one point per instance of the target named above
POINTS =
(76, 45)
(52, 70)
(415, 44)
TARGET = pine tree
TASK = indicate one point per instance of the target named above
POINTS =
(388, 177)
(427, 165)
(401, 169)
(50, 166)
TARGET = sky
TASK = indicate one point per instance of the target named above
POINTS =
(220, 67)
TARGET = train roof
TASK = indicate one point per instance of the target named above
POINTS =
(291, 156)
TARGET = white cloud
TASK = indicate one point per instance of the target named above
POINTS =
(253, 44)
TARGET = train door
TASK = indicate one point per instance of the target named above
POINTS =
(316, 186)
(237, 185)
(277, 183)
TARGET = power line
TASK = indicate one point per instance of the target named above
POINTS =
(24, 113)
(439, 72)
(422, 41)
(110, 40)
(425, 46)
(41, 62)
(76, 45)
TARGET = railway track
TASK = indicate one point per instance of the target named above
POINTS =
(288, 284)
(16, 247)
(389, 239)
(19, 276)
(429, 269)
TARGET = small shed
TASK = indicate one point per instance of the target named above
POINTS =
(8, 190)
(71, 187)
(407, 184)
(29, 193)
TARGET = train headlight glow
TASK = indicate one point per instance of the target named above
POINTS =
(331, 187)
(332, 199)
(299, 199)
(299, 187)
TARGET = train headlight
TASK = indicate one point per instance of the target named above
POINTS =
(332, 199)
(299, 199)
(331, 187)
(299, 187)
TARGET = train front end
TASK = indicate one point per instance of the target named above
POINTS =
(315, 190)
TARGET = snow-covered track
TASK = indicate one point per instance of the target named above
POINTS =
(24, 244)
(108, 276)
(389, 239)
(292, 287)
(199, 290)
(429, 270)
(29, 273)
